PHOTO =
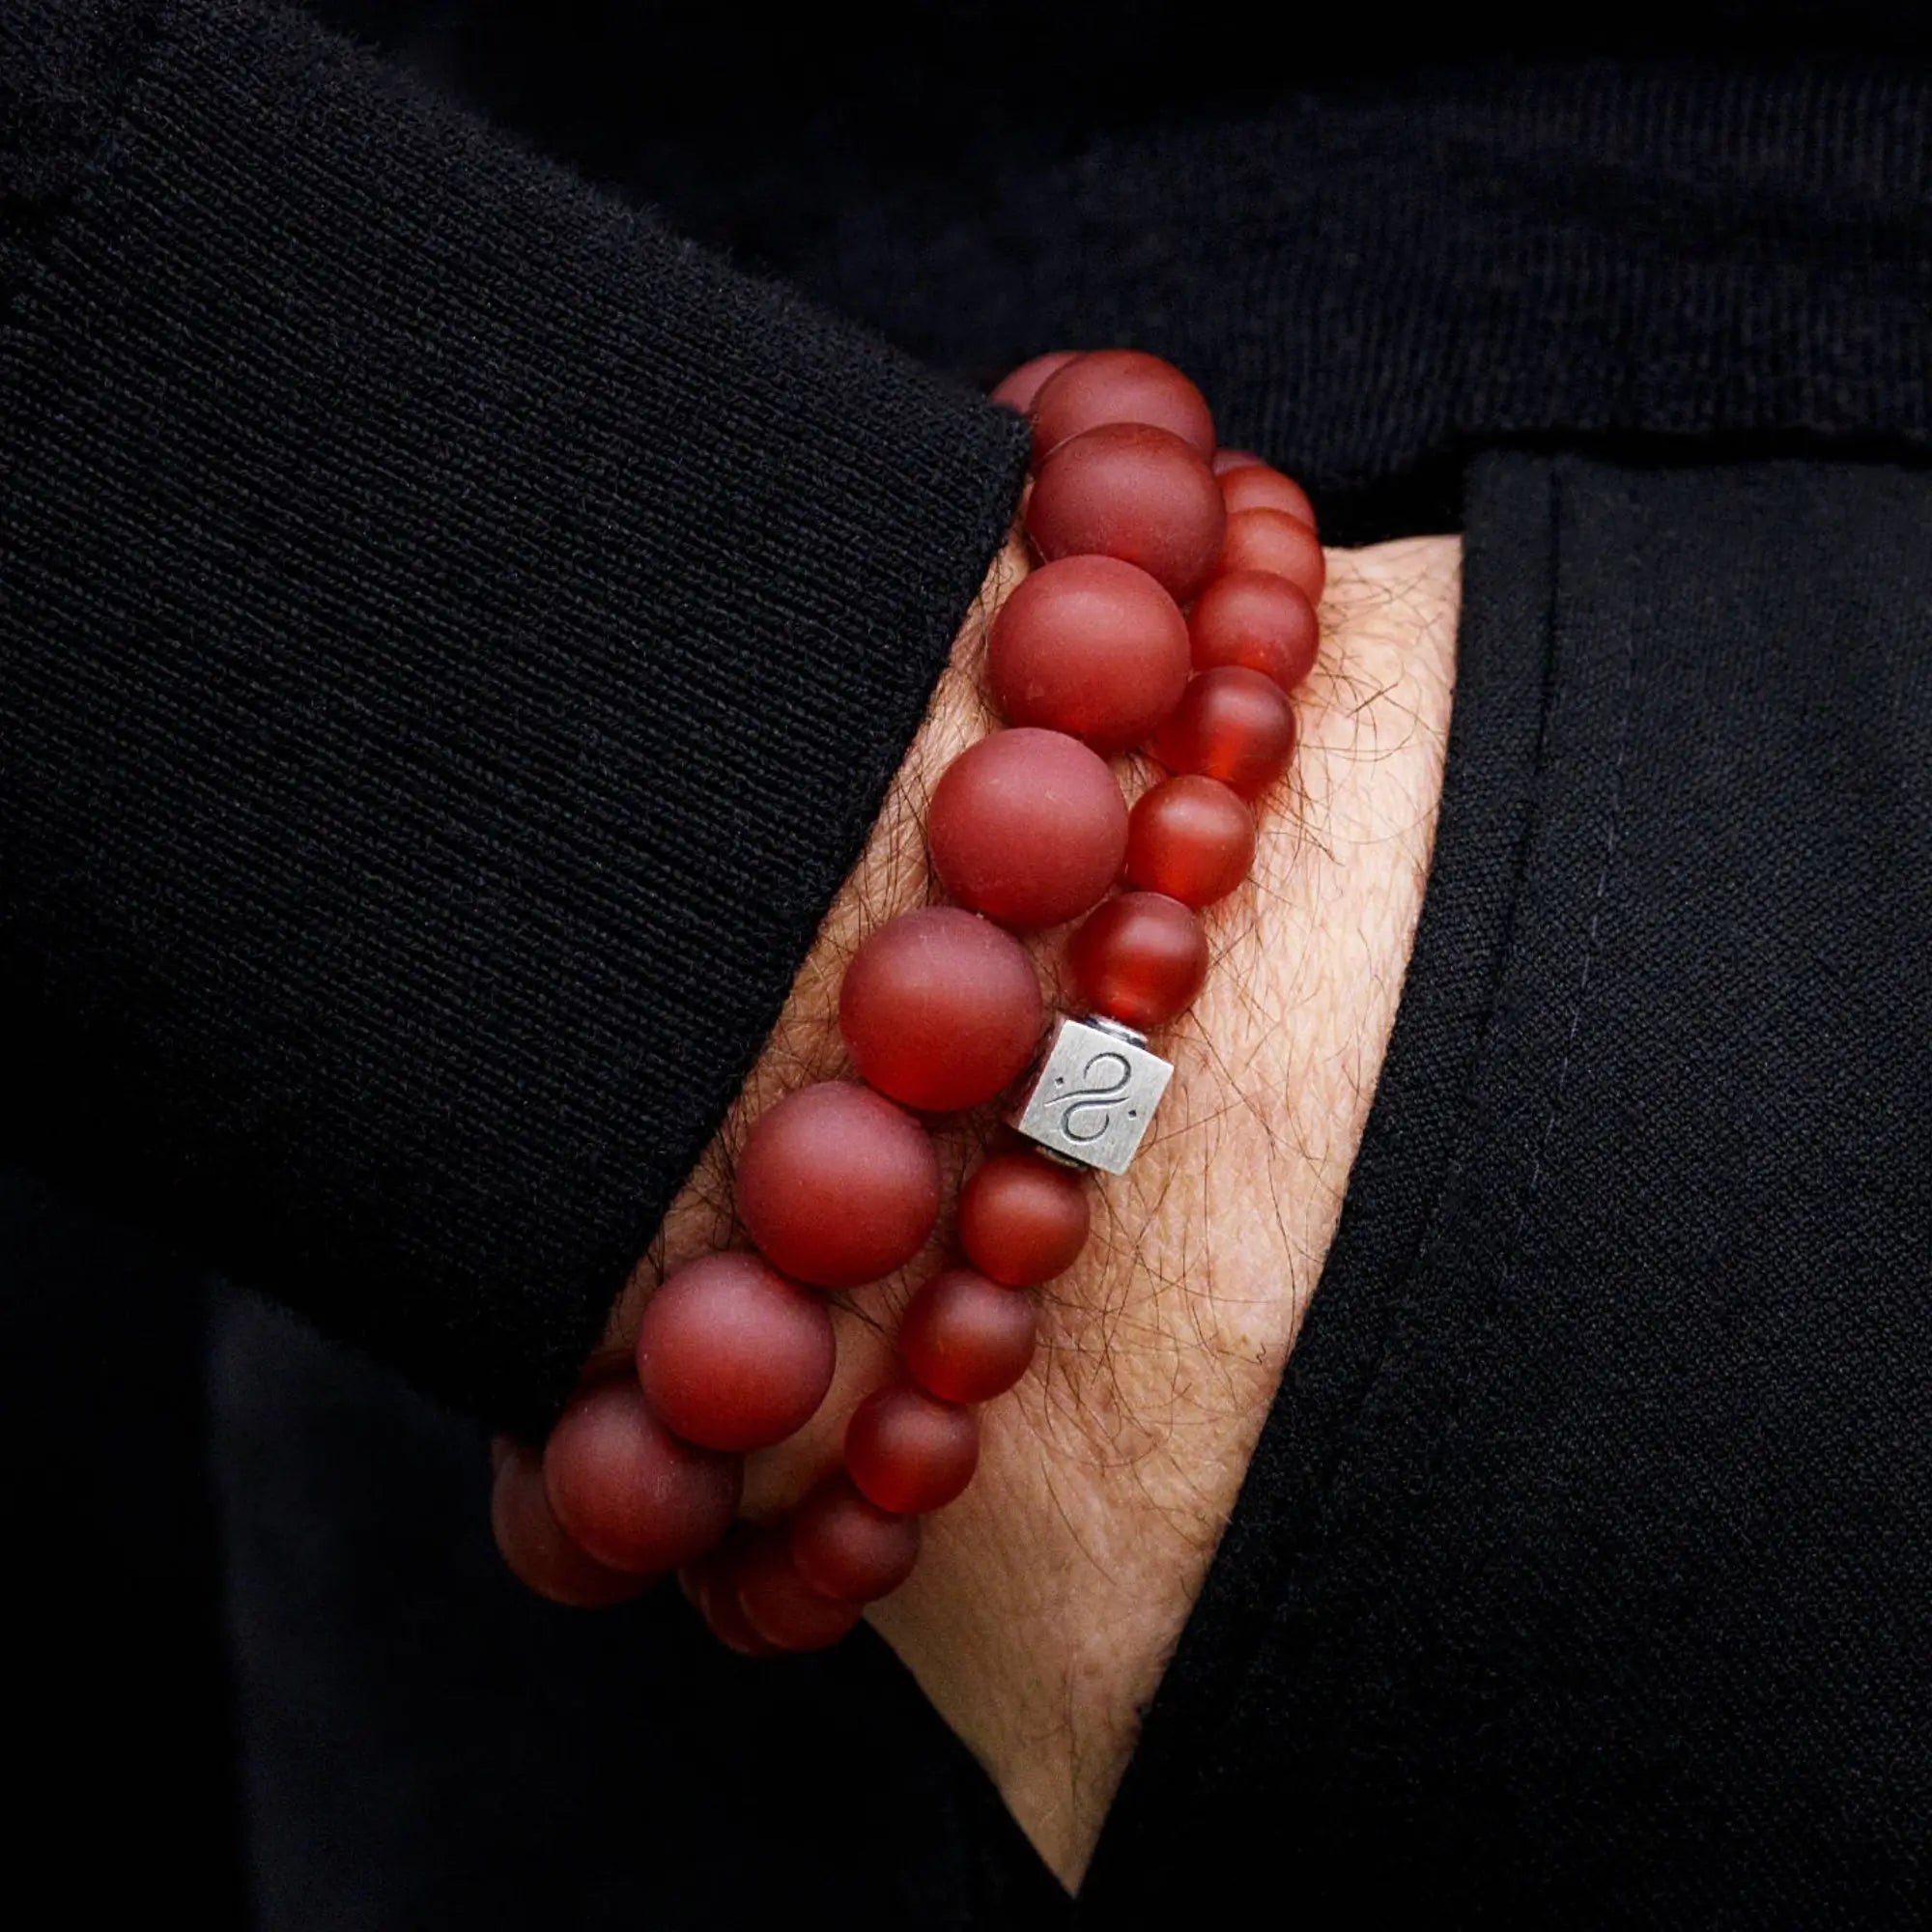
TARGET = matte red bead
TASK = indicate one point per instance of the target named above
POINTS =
(1018, 387)
(732, 1356)
(1134, 491)
(1226, 460)
(844, 1547)
(537, 1549)
(1028, 826)
(1089, 645)
(837, 1186)
(1257, 487)
(1254, 618)
(1022, 1219)
(780, 1604)
(629, 1492)
(966, 1339)
(1232, 725)
(1120, 386)
(909, 1453)
(1272, 540)
(1192, 838)
(711, 1583)
(941, 1008)
(1139, 958)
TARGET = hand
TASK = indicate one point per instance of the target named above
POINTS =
(1048, 1598)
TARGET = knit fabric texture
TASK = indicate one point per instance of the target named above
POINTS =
(454, 639)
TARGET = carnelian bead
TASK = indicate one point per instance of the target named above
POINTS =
(909, 1453)
(941, 1008)
(1226, 460)
(1139, 958)
(1192, 838)
(1120, 386)
(1257, 487)
(1028, 826)
(1272, 540)
(711, 1583)
(1134, 491)
(732, 1356)
(534, 1544)
(967, 1339)
(1092, 646)
(1022, 1219)
(1232, 725)
(837, 1186)
(1017, 388)
(631, 1494)
(1256, 618)
(849, 1548)
(780, 1604)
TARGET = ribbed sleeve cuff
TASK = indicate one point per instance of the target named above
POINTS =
(456, 637)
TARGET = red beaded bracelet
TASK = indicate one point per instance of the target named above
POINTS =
(1173, 606)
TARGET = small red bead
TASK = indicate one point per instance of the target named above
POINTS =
(1089, 645)
(629, 1492)
(1226, 460)
(1028, 826)
(780, 1604)
(909, 1453)
(1272, 540)
(1139, 958)
(1120, 386)
(849, 1548)
(1257, 487)
(1018, 387)
(534, 1544)
(1192, 838)
(1134, 491)
(1232, 725)
(941, 1009)
(967, 1339)
(837, 1186)
(1254, 618)
(732, 1356)
(711, 1583)
(1022, 1219)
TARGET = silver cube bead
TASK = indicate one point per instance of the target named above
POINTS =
(1094, 1095)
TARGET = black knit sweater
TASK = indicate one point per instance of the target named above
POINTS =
(455, 634)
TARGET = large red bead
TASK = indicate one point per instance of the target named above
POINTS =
(1192, 838)
(1022, 1219)
(1232, 725)
(1120, 386)
(1272, 540)
(909, 1453)
(837, 1186)
(941, 1008)
(1089, 645)
(1257, 487)
(1134, 491)
(1139, 958)
(780, 1604)
(1017, 388)
(536, 1549)
(631, 1494)
(847, 1548)
(1254, 618)
(1028, 826)
(732, 1356)
(967, 1339)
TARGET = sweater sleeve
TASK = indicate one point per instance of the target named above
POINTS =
(454, 639)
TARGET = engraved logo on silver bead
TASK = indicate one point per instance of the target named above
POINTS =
(1094, 1095)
